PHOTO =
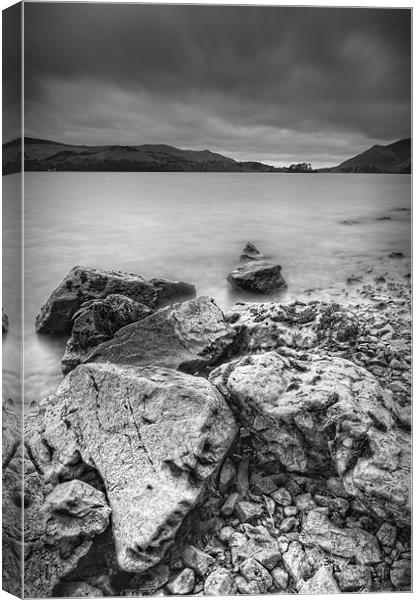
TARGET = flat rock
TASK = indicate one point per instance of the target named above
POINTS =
(187, 336)
(261, 277)
(172, 291)
(96, 322)
(155, 436)
(85, 283)
(324, 415)
(250, 252)
(322, 582)
(350, 543)
(220, 583)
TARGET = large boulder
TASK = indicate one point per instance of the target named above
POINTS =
(250, 252)
(96, 322)
(324, 415)
(155, 436)
(260, 277)
(170, 291)
(85, 283)
(187, 336)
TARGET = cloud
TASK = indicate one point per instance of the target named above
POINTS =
(262, 83)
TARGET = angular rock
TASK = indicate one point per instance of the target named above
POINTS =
(322, 582)
(78, 589)
(96, 322)
(400, 574)
(186, 336)
(305, 502)
(280, 578)
(255, 542)
(324, 415)
(4, 322)
(183, 583)
(282, 496)
(230, 503)
(350, 543)
(246, 511)
(250, 252)
(261, 277)
(254, 572)
(340, 505)
(146, 584)
(355, 578)
(296, 564)
(220, 583)
(387, 535)
(155, 436)
(85, 283)
(227, 476)
(197, 560)
(172, 291)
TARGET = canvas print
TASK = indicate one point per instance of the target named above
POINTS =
(206, 300)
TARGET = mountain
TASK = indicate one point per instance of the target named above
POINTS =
(44, 155)
(394, 158)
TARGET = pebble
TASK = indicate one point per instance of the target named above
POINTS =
(387, 535)
(353, 578)
(400, 574)
(305, 502)
(246, 511)
(183, 583)
(225, 533)
(253, 571)
(290, 511)
(197, 560)
(282, 496)
(340, 505)
(287, 524)
(280, 578)
(220, 583)
(322, 582)
(227, 476)
(229, 505)
(243, 484)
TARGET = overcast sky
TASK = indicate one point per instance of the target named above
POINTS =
(266, 83)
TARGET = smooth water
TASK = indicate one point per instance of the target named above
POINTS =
(192, 226)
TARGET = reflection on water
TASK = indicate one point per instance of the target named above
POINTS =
(192, 226)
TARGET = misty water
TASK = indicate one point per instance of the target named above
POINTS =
(190, 226)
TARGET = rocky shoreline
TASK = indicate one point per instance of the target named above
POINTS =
(195, 451)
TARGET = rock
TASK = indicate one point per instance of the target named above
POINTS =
(282, 496)
(186, 336)
(197, 560)
(387, 535)
(261, 277)
(250, 252)
(323, 415)
(243, 483)
(296, 564)
(172, 291)
(287, 524)
(96, 322)
(230, 503)
(340, 505)
(59, 527)
(355, 578)
(246, 511)
(290, 511)
(5, 322)
(350, 543)
(400, 574)
(84, 283)
(305, 502)
(156, 437)
(220, 583)
(227, 476)
(321, 583)
(262, 485)
(183, 583)
(280, 578)
(149, 582)
(254, 572)
(255, 542)
(77, 589)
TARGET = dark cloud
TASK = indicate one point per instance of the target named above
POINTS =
(269, 83)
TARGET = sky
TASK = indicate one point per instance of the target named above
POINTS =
(274, 84)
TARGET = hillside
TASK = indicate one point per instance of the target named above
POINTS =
(44, 155)
(394, 158)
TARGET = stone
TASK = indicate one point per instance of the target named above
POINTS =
(85, 283)
(400, 574)
(227, 476)
(77, 589)
(282, 496)
(220, 583)
(324, 415)
(226, 533)
(350, 543)
(387, 534)
(322, 582)
(290, 511)
(296, 564)
(59, 526)
(254, 572)
(197, 560)
(287, 524)
(187, 336)
(170, 291)
(96, 322)
(250, 252)
(335, 486)
(183, 583)
(149, 582)
(230, 503)
(155, 436)
(261, 277)
(243, 483)
(255, 542)
(262, 485)
(355, 578)
(305, 502)
(280, 578)
(4, 322)
(340, 505)
(246, 511)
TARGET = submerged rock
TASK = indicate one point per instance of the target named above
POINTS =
(250, 252)
(85, 283)
(96, 322)
(4, 322)
(187, 336)
(155, 436)
(323, 415)
(170, 291)
(261, 277)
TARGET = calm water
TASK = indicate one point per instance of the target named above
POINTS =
(191, 227)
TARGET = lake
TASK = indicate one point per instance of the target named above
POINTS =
(189, 226)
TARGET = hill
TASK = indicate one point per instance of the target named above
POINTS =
(44, 155)
(394, 158)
